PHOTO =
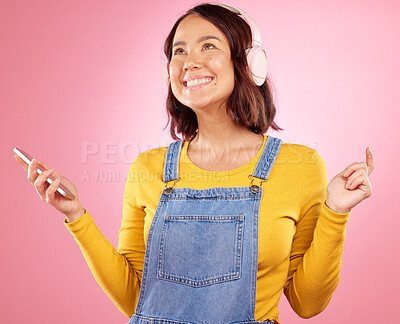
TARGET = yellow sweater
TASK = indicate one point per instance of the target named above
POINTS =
(300, 238)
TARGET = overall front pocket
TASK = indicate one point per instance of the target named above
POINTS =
(198, 250)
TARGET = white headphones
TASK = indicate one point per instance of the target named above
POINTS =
(256, 56)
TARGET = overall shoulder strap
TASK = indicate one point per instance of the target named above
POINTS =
(171, 163)
(267, 158)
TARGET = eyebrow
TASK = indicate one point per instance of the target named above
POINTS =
(201, 39)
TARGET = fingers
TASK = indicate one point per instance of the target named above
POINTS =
(32, 174)
(369, 160)
(32, 170)
(41, 184)
(355, 179)
(359, 180)
(367, 166)
(51, 191)
(46, 192)
(55, 174)
(354, 167)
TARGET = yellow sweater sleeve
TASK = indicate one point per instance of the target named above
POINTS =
(117, 272)
(316, 255)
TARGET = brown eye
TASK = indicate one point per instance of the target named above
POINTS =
(208, 45)
(178, 51)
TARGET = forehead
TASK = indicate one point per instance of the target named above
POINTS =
(194, 26)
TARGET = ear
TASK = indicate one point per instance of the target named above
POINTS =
(166, 73)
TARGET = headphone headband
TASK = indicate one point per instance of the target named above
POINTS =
(255, 32)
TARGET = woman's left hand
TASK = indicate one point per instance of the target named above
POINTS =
(351, 186)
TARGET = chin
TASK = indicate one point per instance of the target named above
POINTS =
(198, 107)
(195, 104)
(201, 104)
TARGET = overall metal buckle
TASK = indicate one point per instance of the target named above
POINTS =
(254, 188)
(168, 190)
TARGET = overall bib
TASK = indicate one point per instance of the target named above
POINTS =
(201, 257)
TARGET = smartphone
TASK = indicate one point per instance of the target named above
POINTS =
(28, 159)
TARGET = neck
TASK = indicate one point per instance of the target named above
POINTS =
(217, 131)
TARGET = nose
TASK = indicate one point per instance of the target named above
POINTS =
(192, 61)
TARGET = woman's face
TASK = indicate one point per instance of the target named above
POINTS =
(201, 70)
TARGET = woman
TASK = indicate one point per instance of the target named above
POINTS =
(202, 228)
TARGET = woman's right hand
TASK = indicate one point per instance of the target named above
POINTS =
(72, 209)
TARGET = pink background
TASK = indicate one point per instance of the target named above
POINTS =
(78, 74)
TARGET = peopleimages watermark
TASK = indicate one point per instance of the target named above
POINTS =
(112, 152)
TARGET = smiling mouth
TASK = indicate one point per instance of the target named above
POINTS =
(197, 83)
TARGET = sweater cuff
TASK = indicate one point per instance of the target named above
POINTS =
(332, 225)
(78, 226)
(338, 218)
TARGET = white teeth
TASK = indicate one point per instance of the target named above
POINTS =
(196, 82)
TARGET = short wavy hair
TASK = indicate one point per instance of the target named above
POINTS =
(256, 110)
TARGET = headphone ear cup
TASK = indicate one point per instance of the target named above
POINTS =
(166, 74)
(257, 62)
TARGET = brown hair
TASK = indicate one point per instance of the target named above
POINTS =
(256, 110)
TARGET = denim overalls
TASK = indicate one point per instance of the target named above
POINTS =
(200, 264)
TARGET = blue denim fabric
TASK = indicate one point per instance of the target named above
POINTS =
(201, 257)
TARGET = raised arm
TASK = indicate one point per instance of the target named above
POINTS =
(317, 247)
